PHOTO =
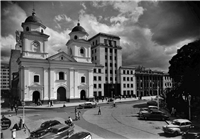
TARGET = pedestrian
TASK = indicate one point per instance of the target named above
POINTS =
(70, 120)
(79, 115)
(16, 109)
(99, 112)
(173, 111)
(113, 103)
(20, 123)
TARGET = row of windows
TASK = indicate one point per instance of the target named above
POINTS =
(111, 79)
(128, 92)
(4, 73)
(111, 71)
(111, 64)
(168, 84)
(61, 77)
(128, 85)
(99, 78)
(99, 93)
(4, 76)
(110, 42)
(111, 50)
(127, 78)
(95, 85)
(95, 70)
(106, 57)
(127, 72)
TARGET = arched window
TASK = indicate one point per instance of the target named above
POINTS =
(61, 76)
(82, 51)
(36, 79)
(82, 79)
(27, 28)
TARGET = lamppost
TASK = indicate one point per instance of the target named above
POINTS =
(189, 99)
(158, 95)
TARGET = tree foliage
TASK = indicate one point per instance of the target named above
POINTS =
(185, 69)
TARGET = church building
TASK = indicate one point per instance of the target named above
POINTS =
(64, 76)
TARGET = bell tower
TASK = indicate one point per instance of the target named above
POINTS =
(78, 46)
(33, 38)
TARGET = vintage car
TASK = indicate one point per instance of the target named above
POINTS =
(81, 135)
(59, 131)
(44, 129)
(177, 126)
(87, 105)
(192, 133)
(147, 109)
(154, 114)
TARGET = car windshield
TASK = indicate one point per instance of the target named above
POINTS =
(43, 125)
(176, 123)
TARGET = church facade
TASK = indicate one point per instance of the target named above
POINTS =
(65, 76)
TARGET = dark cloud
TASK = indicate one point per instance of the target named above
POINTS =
(171, 22)
(141, 50)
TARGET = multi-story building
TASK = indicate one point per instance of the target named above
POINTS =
(127, 81)
(106, 51)
(148, 82)
(5, 87)
(167, 81)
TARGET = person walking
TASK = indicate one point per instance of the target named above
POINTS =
(99, 112)
(79, 115)
(16, 109)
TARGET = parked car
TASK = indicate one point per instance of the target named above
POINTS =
(152, 103)
(177, 126)
(147, 109)
(59, 131)
(88, 105)
(154, 114)
(44, 128)
(192, 133)
(81, 135)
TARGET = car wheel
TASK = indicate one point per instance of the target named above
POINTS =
(176, 133)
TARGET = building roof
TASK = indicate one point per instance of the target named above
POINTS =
(105, 35)
(79, 28)
(33, 18)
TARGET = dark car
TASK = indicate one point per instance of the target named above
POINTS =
(81, 135)
(154, 114)
(192, 133)
(88, 105)
(152, 103)
(44, 128)
(60, 131)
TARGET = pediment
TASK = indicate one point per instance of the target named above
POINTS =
(62, 56)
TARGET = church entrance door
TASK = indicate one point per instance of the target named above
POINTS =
(36, 96)
(83, 95)
(61, 94)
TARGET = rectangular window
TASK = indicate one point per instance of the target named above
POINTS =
(106, 49)
(100, 93)
(106, 57)
(110, 57)
(95, 78)
(115, 43)
(110, 50)
(111, 71)
(106, 64)
(124, 72)
(99, 85)
(110, 42)
(61, 75)
(99, 78)
(124, 85)
(131, 85)
(94, 70)
(105, 42)
(127, 85)
(124, 78)
(82, 79)
(36, 78)
(95, 86)
(99, 70)
(127, 78)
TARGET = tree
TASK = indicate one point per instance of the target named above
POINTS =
(185, 69)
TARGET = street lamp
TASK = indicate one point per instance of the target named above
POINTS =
(158, 96)
(189, 99)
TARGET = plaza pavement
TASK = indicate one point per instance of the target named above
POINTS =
(32, 125)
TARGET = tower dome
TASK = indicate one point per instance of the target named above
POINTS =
(33, 18)
(79, 28)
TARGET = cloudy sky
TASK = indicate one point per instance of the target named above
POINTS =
(150, 31)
